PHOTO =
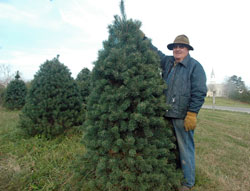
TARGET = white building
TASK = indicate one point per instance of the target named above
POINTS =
(215, 88)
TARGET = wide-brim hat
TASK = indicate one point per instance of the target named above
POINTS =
(180, 40)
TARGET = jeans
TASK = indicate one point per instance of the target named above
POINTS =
(185, 140)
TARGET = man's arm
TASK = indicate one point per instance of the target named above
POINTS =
(198, 88)
(198, 93)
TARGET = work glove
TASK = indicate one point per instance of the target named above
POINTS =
(190, 121)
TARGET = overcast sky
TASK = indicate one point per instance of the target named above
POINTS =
(32, 31)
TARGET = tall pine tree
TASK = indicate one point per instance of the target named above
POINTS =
(128, 142)
(14, 97)
(53, 102)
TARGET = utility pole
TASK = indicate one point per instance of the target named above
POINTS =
(213, 87)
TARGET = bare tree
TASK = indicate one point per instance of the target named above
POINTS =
(5, 74)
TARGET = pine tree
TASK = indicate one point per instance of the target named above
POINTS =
(53, 101)
(128, 142)
(14, 97)
(83, 81)
(2, 91)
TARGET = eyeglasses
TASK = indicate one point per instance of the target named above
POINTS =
(181, 46)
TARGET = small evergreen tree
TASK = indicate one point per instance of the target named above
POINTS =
(53, 101)
(83, 81)
(14, 96)
(128, 142)
(2, 91)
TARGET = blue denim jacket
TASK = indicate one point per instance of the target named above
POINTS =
(186, 89)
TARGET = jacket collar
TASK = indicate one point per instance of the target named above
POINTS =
(184, 62)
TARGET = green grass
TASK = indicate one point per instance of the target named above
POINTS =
(223, 151)
(222, 155)
(221, 101)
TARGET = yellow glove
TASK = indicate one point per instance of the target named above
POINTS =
(190, 121)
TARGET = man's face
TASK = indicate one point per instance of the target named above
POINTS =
(180, 52)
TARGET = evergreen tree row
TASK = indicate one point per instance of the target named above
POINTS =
(53, 103)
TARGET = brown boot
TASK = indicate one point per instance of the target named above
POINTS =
(184, 188)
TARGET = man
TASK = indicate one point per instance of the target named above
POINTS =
(186, 90)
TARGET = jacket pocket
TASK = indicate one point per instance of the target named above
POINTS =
(183, 104)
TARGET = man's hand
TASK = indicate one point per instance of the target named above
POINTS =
(142, 35)
(190, 121)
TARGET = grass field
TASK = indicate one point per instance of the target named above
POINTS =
(35, 163)
(221, 101)
(222, 155)
(223, 151)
